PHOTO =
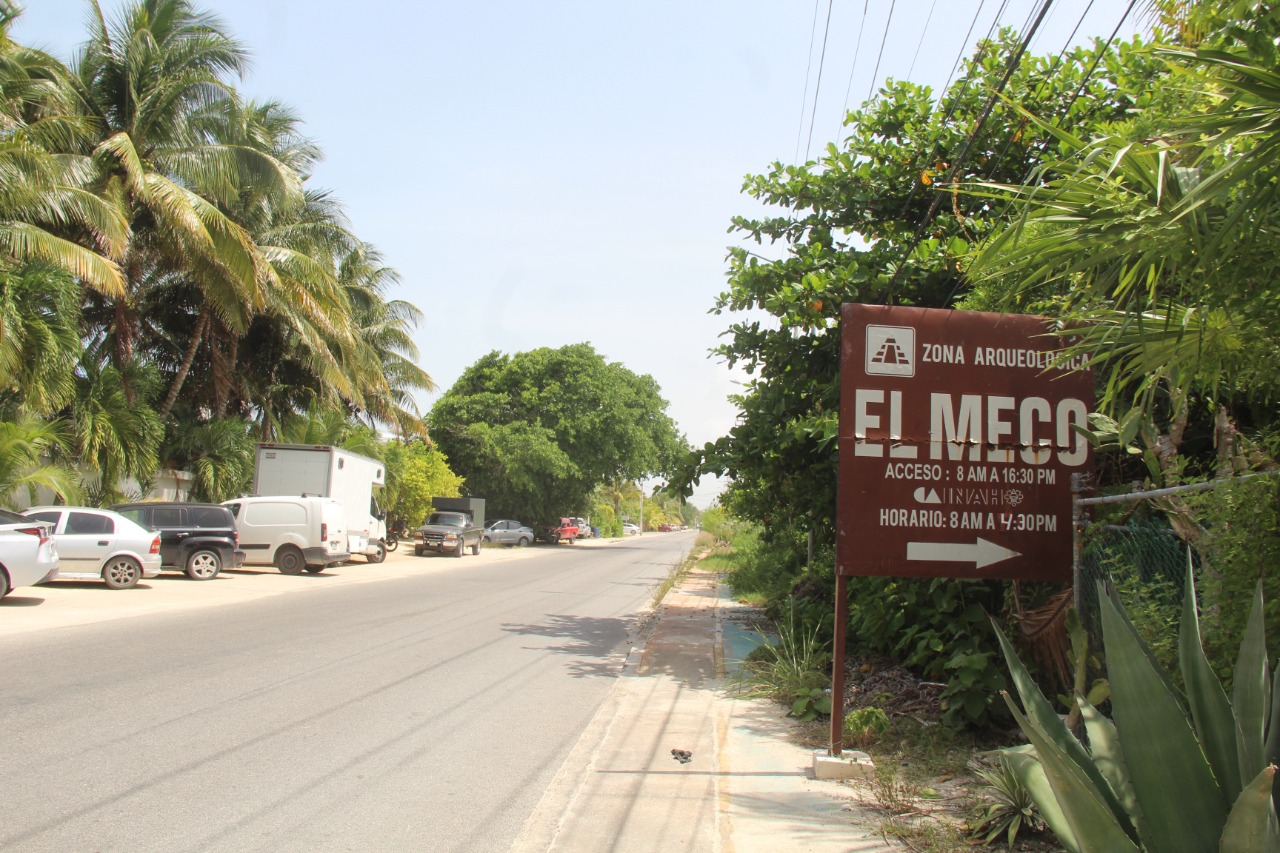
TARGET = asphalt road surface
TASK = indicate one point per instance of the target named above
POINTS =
(423, 704)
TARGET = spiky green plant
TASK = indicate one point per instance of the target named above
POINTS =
(1006, 804)
(1158, 778)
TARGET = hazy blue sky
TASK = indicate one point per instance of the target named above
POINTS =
(544, 173)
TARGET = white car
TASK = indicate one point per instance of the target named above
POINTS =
(98, 544)
(27, 553)
(630, 529)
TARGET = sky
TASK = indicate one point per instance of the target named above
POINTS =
(548, 173)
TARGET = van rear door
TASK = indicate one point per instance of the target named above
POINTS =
(334, 519)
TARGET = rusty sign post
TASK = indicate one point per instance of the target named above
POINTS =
(958, 438)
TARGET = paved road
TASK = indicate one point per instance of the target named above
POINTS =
(423, 704)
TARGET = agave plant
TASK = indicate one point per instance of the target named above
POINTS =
(1159, 778)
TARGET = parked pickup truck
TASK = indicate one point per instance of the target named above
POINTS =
(448, 533)
(556, 534)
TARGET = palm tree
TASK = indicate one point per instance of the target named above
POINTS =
(39, 337)
(219, 452)
(145, 80)
(1153, 250)
(27, 446)
(48, 212)
(115, 437)
(384, 356)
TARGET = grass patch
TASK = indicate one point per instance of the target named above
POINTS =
(719, 562)
(677, 574)
(926, 836)
(929, 749)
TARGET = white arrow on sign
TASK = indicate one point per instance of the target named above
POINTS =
(981, 554)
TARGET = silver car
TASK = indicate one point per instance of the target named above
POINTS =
(508, 532)
(98, 544)
(27, 553)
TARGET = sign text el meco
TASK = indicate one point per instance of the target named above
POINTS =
(958, 438)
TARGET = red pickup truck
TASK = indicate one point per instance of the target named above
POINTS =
(557, 533)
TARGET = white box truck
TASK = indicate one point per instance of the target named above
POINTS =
(331, 472)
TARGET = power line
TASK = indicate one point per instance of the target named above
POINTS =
(1035, 98)
(817, 88)
(955, 101)
(876, 72)
(924, 31)
(804, 101)
(964, 152)
(964, 45)
(856, 50)
(1035, 161)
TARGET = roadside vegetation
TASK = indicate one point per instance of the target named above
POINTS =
(1124, 189)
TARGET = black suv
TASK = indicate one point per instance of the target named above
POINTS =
(198, 539)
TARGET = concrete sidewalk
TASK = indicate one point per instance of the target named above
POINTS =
(745, 787)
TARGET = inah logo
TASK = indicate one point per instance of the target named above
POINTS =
(891, 350)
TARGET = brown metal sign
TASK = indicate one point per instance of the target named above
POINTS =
(958, 440)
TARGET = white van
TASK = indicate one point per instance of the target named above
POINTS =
(291, 533)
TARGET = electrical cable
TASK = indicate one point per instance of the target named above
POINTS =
(804, 101)
(955, 66)
(964, 152)
(876, 71)
(1035, 160)
(1035, 98)
(817, 87)
(857, 48)
(955, 101)
(924, 31)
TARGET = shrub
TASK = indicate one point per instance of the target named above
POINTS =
(864, 726)
(1158, 778)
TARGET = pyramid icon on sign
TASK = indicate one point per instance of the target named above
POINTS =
(890, 353)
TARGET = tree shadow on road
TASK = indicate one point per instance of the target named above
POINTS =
(599, 645)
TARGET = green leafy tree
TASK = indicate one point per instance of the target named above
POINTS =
(853, 227)
(416, 473)
(534, 433)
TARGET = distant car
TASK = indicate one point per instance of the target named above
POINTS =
(630, 529)
(197, 539)
(509, 532)
(28, 555)
(666, 528)
(584, 529)
(98, 544)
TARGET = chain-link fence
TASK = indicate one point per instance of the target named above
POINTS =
(1140, 543)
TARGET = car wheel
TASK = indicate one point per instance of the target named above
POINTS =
(289, 560)
(121, 573)
(524, 540)
(315, 570)
(417, 551)
(203, 565)
(379, 553)
(475, 549)
(4, 585)
(461, 549)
